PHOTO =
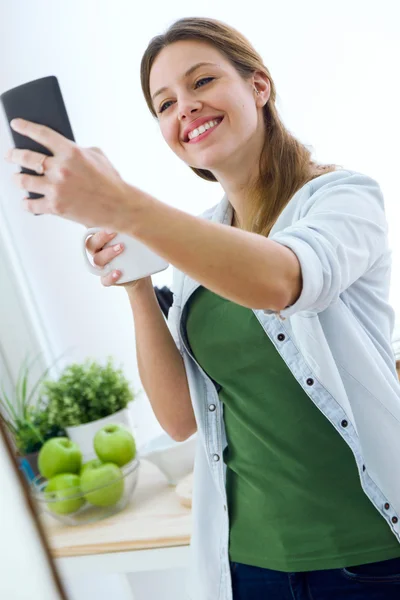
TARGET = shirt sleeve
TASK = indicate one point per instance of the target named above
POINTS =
(174, 312)
(341, 236)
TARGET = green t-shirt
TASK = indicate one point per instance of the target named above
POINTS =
(294, 494)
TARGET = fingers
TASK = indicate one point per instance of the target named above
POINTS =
(95, 242)
(111, 278)
(31, 183)
(103, 257)
(49, 138)
(27, 158)
(97, 150)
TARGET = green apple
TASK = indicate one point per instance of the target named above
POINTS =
(94, 461)
(102, 483)
(64, 488)
(59, 455)
(114, 443)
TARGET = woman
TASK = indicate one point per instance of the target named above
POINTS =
(278, 348)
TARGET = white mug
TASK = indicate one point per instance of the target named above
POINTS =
(135, 261)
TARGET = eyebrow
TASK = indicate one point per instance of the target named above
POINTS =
(188, 72)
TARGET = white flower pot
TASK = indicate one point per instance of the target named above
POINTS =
(83, 434)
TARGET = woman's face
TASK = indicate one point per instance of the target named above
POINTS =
(213, 96)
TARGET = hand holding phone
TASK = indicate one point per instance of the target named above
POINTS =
(39, 101)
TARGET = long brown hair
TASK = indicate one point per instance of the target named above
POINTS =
(285, 164)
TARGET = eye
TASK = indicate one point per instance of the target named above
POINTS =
(203, 79)
(207, 79)
(164, 106)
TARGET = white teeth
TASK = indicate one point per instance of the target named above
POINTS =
(202, 129)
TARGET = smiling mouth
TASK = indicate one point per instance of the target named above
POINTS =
(207, 132)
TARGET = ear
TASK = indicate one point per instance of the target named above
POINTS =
(263, 86)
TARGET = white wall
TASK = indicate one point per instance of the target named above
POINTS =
(335, 67)
(17, 334)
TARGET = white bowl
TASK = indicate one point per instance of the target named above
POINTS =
(174, 459)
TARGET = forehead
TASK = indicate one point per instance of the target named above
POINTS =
(174, 60)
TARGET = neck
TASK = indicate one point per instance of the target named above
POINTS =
(237, 192)
(236, 174)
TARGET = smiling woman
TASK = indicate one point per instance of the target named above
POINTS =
(193, 75)
(277, 349)
(214, 100)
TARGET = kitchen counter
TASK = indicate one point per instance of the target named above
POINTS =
(151, 533)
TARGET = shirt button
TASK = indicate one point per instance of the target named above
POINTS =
(212, 407)
(344, 423)
(216, 457)
(387, 505)
(281, 337)
(394, 519)
(310, 381)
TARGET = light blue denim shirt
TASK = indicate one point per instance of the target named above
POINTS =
(335, 339)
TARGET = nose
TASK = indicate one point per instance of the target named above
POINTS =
(188, 106)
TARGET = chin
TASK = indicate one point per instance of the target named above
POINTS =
(210, 163)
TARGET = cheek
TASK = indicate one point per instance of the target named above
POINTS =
(249, 118)
(170, 132)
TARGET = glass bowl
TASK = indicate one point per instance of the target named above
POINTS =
(75, 508)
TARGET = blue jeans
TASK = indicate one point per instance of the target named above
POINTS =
(374, 581)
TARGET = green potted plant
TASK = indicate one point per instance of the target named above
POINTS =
(85, 397)
(26, 416)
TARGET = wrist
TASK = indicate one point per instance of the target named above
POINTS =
(137, 205)
(140, 287)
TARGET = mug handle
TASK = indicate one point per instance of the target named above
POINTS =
(95, 270)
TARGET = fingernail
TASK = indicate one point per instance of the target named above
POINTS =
(117, 248)
(15, 123)
(109, 231)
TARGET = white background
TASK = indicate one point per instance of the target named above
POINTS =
(335, 66)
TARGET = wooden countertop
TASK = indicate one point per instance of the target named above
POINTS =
(154, 518)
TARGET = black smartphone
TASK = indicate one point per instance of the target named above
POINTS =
(39, 101)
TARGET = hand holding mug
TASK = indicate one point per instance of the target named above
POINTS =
(119, 252)
(95, 245)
